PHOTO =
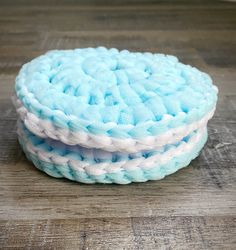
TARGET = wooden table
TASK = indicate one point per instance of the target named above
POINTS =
(194, 208)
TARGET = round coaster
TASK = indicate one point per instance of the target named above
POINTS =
(94, 165)
(113, 100)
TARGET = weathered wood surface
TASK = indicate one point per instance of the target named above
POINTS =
(194, 208)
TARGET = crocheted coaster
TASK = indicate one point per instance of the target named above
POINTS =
(113, 100)
(108, 116)
(94, 165)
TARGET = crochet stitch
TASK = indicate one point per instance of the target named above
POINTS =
(120, 94)
(124, 110)
(57, 152)
(46, 129)
(165, 161)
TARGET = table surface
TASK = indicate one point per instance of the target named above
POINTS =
(194, 208)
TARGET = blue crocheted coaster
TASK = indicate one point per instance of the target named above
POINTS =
(96, 166)
(114, 93)
(119, 177)
(108, 116)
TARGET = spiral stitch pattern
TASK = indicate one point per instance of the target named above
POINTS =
(132, 113)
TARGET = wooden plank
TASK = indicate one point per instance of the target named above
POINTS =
(121, 233)
(166, 18)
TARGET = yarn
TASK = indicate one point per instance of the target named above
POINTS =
(117, 94)
(108, 116)
(44, 129)
(120, 172)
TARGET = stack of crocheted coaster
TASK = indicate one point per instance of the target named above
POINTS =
(108, 116)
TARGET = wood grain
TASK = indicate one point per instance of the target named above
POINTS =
(194, 208)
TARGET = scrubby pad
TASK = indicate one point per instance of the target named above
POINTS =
(114, 100)
(109, 116)
(94, 165)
